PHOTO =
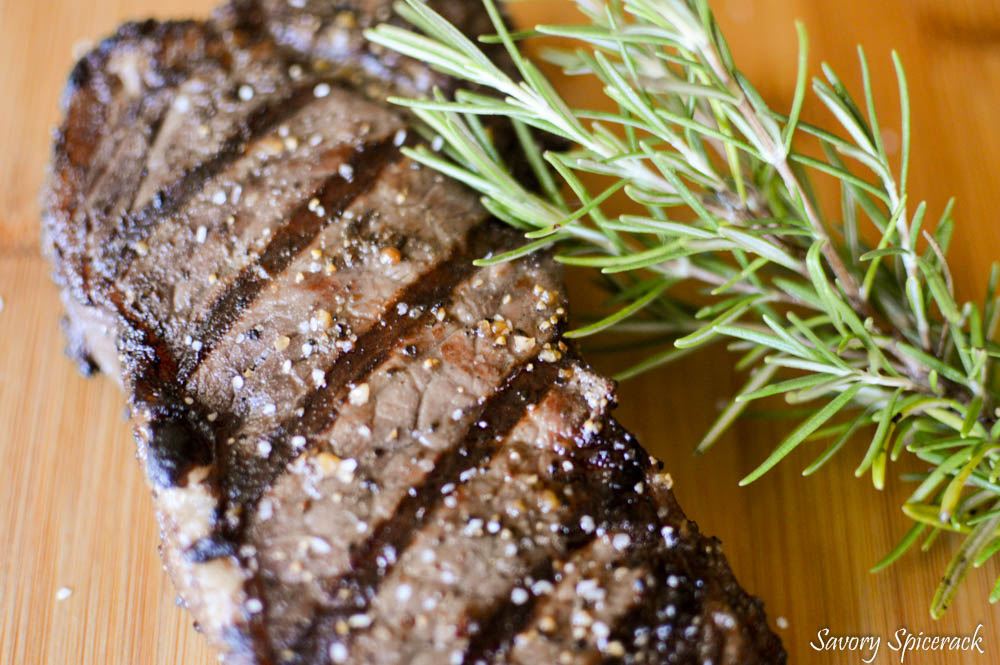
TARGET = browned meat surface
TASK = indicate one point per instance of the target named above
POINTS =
(362, 448)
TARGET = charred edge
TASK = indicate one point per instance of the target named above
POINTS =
(369, 563)
(614, 463)
(321, 407)
(93, 63)
(180, 436)
(245, 15)
(178, 442)
(647, 627)
(212, 547)
(169, 200)
(336, 195)
(609, 501)
(654, 628)
(646, 631)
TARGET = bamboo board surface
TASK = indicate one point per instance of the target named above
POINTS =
(75, 513)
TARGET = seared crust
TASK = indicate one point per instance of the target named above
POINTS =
(362, 448)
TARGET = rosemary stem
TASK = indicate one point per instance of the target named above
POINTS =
(778, 158)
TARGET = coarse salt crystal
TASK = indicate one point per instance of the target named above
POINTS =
(359, 620)
(321, 90)
(359, 394)
(319, 545)
(338, 653)
(346, 469)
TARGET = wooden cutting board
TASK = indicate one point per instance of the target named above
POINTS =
(74, 512)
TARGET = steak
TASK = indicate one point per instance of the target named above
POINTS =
(362, 448)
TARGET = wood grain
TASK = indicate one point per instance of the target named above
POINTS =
(73, 509)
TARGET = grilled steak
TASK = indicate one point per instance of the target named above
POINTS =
(361, 447)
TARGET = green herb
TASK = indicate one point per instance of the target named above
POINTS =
(871, 336)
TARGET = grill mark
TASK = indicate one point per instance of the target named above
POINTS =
(647, 551)
(369, 564)
(648, 611)
(140, 225)
(506, 620)
(94, 64)
(151, 364)
(180, 437)
(600, 500)
(257, 626)
(322, 406)
(131, 116)
(246, 480)
(93, 178)
(639, 616)
(154, 133)
(335, 195)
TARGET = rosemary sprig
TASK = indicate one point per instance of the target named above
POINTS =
(871, 336)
